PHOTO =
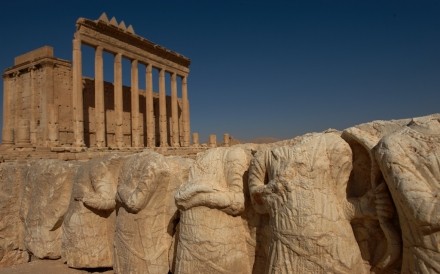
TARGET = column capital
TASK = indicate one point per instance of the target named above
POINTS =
(77, 44)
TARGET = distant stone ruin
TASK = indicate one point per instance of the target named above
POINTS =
(121, 196)
(49, 104)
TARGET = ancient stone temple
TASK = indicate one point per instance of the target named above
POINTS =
(360, 200)
(48, 102)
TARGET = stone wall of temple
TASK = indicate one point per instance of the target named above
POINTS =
(110, 118)
(47, 102)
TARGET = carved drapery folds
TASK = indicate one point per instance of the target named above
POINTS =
(358, 201)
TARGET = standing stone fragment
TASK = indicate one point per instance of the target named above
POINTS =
(303, 188)
(89, 225)
(145, 217)
(12, 250)
(410, 162)
(45, 202)
(212, 232)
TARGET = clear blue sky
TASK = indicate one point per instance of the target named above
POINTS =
(268, 68)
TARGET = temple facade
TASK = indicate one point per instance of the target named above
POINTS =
(49, 103)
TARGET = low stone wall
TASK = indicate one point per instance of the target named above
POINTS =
(360, 200)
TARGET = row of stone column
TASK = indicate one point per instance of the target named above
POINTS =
(23, 126)
(118, 98)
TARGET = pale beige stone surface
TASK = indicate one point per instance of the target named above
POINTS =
(88, 227)
(364, 200)
(48, 267)
(379, 240)
(409, 159)
(145, 221)
(45, 201)
(12, 250)
(303, 189)
(212, 233)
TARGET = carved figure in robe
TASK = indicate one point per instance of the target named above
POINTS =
(90, 222)
(45, 202)
(145, 220)
(212, 234)
(12, 179)
(410, 162)
(303, 189)
(379, 239)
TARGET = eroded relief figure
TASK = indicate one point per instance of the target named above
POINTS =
(90, 222)
(12, 250)
(379, 239)
(145, 220)
(303, 189)
(212, 234)
(410, 162)
(45, 202)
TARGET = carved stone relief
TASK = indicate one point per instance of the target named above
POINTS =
(303, 189)
(88, 228)
(410, 161)
(364, 200)
(45, 201)
(212, 234)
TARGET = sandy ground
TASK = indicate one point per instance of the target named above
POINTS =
(46, 267)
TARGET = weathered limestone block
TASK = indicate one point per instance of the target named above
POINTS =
(45, 201)
(88, 228)
(12, 249)
(179, 169)
(379, 240)
(145, 220)
(410, 162)
(212, 233)
(303, 189)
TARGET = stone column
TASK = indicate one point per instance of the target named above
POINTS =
(149, 107)
(7, 131)
(119, 136)
(135, 140)
(33, 108)
(212, 140)
(185, 112)
(77, 94)
(226, 140)
(46, 98)
(18, 123)
(162, 110)
(52, 128)
(22, 137)
(195, 136)
(99, 98)
(174, 111)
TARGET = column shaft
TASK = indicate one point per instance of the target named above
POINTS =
(185, 112)
(162, 110)
(47, 98)
(77, 94)
(7, 131)
(150, 107)
(174, 111)
(119, 136)
(99, 98)
(135, 138)
(33, 109)
(18, 118)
